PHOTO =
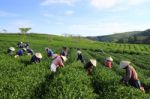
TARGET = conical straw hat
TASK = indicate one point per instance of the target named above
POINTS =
(38, 55)
(93, 61)
(79, 52)
(109, 58)
(124, 64)
(64, 58)
(12, 48)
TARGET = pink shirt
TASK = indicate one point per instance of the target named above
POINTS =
(58, 61)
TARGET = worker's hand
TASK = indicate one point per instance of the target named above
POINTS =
(142, 89)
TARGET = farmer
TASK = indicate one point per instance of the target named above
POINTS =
(58, 62)
(49, 52)
(26, 45)
(19, 53)
(131, 76)
(79, 56)
(108, 62)
(36, 58)
(30, 51)
(64, 52)
(10, 50)
(20, 45)
(89, 66)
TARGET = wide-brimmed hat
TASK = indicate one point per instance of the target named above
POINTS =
(93, 61)
(38, 55)
(109, 59)
(12, 48)
(64, 58)
(124, 64)
(79, 52)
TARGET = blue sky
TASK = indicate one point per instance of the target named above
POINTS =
(78, 17)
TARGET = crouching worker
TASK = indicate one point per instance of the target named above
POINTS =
(89, 66)
(108, 62)
(36, 58)
(58, 62)
(64, 52)
(79, 56)
(49, 52)
(131, 76)
(19, 53)
(30, 51)
(20, 45)
(26, 45)
(11, 50)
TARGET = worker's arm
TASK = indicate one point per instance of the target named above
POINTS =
(61, 63)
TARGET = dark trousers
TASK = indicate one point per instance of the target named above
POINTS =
(135, 83)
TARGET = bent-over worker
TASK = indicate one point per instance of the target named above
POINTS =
(79, 56)
(49, 52)
(89, 66)
(30, 51)
(19, 53)
(64, 52)
(58, 62)
(131, 76)
(11, 50)
(36, 58)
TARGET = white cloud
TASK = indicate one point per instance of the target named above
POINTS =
(104, 3)
(7, 14)
(117, 4)
(137, 2)
(69, 12)
(49, 2)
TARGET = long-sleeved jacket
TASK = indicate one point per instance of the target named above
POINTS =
(58, 61)
(130, 74)
(35, 59)
(20, 45)
(30, 51)
(89, 67)
(50, 53)
(20, 52)
(64, 52)
(80, 57)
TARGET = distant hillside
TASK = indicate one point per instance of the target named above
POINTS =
(127, 37)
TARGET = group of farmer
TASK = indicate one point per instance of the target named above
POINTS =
(130, 77)
(58, 60)
(24, 48)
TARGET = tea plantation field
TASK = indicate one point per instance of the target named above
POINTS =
(20, 80)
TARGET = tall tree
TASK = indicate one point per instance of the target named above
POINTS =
(24, 31)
